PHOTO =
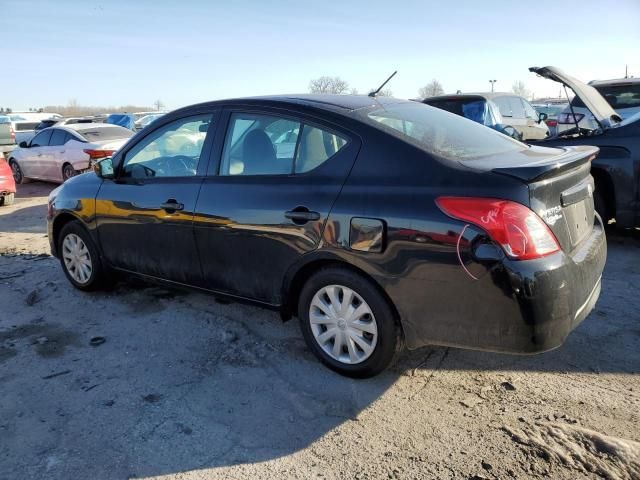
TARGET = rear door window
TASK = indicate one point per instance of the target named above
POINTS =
(58, 137)
(259, 144)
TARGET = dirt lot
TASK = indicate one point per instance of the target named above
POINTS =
(184, 387)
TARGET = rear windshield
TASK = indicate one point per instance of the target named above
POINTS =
(618, 96)
(441, 133)
(105, 133)
(4, 119)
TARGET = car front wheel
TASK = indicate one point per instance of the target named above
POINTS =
(79, 257)
(347, 323)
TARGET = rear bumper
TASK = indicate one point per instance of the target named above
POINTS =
(513, 306)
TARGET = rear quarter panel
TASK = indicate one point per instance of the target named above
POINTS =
(419, 268)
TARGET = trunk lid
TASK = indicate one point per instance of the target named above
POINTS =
(560, 187)
(592, 99)
(108, 144)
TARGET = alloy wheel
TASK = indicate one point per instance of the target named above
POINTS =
(343, 324)
(77, 259)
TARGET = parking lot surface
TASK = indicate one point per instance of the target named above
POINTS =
(145, 381)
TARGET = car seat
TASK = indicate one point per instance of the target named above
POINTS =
(258, 154)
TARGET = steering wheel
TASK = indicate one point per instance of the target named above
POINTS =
(180, 164)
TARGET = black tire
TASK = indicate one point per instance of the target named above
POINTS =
(97, 277)
(6, 200)
(18, 176)
(68, 172)
(388, 332)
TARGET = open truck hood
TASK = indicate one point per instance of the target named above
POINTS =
(593, 100)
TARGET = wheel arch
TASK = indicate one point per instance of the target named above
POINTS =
(604, 184)
(298, 275)
(59, 222)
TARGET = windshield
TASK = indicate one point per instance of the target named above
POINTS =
(105, 133)
(442, 133)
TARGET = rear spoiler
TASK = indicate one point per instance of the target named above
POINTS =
(550, 167)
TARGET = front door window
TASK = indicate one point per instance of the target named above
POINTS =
(171, 151)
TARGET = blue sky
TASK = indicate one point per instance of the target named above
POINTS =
(116, 52)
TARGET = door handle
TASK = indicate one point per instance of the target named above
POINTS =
(172, 205)
(301, 215)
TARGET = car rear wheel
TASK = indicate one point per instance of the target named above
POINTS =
(68, 171)
(18, 176)
(80, 258)
(6, 200)
(347, 323)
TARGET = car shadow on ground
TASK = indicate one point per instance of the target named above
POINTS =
(24, 219)
(182, 382)
(34, 189)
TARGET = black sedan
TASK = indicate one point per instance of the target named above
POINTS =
(378, 222)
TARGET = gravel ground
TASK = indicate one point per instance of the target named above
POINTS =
(176, 385)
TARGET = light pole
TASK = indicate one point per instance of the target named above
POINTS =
(492, 82)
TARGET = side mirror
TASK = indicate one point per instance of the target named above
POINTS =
(542, 117)
(104, 168)
(23, 144)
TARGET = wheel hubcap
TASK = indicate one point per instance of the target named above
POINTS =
(68, 172)
(77, 259)
(343, 324)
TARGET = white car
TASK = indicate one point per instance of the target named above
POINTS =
(58, 153)
(622, 94)
(24, 123)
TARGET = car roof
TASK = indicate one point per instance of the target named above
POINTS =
(486, 95)
(615, 81)
(329, 102)
(79, 127)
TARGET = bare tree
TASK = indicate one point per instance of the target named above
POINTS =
(431, 89)
(158, 104)
(353, 91)
(519, 88)
(327, 84)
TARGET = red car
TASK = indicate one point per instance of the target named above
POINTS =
(7, 184)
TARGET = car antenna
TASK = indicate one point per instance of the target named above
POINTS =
(375, 92)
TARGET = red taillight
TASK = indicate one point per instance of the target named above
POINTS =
(566, 118)
(98, 154)
(12, 134)
(552, 123)
(519, 231)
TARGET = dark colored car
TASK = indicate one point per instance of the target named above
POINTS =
(378, 222)
(616, 170)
